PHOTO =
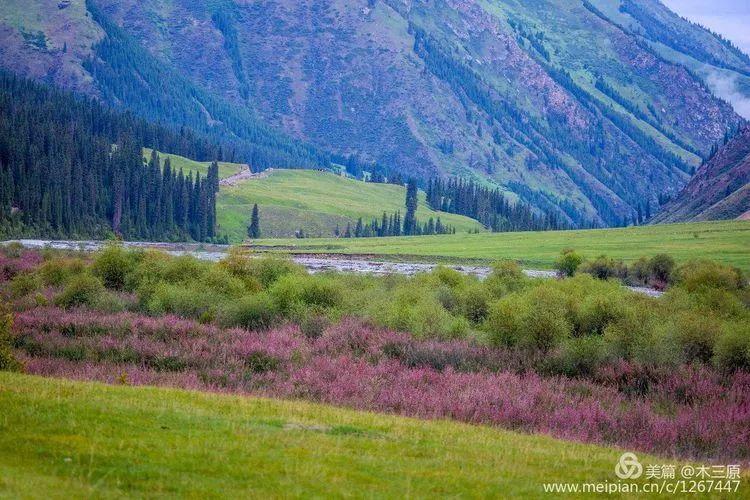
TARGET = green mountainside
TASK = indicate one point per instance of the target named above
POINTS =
(594, 109)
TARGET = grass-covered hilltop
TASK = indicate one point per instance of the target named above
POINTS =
(317, 203)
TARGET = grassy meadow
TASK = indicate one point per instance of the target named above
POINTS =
(73, 439)
(316, 202)
(178, 162)
(727, 242)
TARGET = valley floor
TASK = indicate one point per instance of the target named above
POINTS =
(71, 439)
(727, 242)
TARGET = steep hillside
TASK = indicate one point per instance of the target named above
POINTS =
(582, 107)
(72, 44)
(720, 188)
(315, 202)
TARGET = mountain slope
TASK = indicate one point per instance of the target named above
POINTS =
(73, 45)
(720, 188)
(573, 106)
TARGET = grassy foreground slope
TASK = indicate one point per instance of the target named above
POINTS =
(71, 439)
(316, 202)
(178, 162)
(727, 242)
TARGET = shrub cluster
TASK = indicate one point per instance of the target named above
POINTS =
(570, 326)
(656, 272)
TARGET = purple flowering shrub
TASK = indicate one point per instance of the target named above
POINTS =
(692, 412)
(17, 261)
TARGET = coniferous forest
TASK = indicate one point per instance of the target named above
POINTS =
(71, 168)
(488, 206)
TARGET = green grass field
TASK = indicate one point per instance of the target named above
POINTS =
(226, 169)
(63, 439)
(727, 242)
(317, 202)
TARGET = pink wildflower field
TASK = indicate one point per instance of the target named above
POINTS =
(692, 412)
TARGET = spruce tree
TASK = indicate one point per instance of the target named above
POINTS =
(253, 230)
(410, 219)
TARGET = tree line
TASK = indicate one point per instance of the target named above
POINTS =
(488, 206)
(393, 225)
(70, 167)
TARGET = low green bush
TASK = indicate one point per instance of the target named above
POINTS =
(578, 356)
(110, 302)
(313, 325)
(81, 290)
(506, 277)
(259, 362)
(732, 350)
(639, 272)
(183, 301)
(409, 309)
(504, 320)
(656, 346)
(251, 312)
(447, 276)
(12, 250)
(546, 321)
(8, 361)
(474, 303)
(113, 264)
(221, 282)
(57, 272)
(258, 272)
(598, 310)
(307, 290)
(447, 297)
(25, 283)
(696, 335)
(704, 274)
(185, 269)
(605, 268)
(661, 268)
(149, 271)
(568, 262)
(537, 319)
